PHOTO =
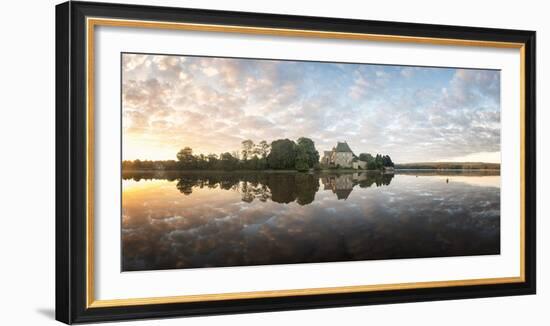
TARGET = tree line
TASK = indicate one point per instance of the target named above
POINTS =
(377, 162)
(281, 154)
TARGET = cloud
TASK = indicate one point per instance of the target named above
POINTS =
(212, 104)
(407, 72)
(209, 71)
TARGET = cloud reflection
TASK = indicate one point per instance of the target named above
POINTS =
(221, 222)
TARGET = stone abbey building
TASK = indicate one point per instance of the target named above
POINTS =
(342, 156)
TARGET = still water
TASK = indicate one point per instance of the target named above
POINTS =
(233, 219)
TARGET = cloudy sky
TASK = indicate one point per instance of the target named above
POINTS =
(413, 114)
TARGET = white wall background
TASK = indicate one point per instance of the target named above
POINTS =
(27, 162)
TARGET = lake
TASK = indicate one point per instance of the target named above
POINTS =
(216, 219)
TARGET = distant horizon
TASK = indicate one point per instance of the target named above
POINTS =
(213, 104)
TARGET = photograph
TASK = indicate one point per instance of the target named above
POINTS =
(215, 160)
(231, 161)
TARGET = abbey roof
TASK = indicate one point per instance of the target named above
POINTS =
(342, 147)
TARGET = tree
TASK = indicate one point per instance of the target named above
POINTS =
(137, 164)
(228, 161)
(371, 161)
(366, 157)
(127, 165)
(386, 161)
(253, 163)
(184, 153)
(282, 154)
(378, 162)
(263, 149)
(311, 154)
(186, 158)
(170, 165)
(211, 161)
(247, 149)
(200, 162)
(301, 162)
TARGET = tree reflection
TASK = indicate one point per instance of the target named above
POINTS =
(306, 187)
(185, 186)
(283, 188)
(287, 188)
(254, 190)
(380, 179)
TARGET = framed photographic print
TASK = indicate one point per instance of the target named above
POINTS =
(213, 162)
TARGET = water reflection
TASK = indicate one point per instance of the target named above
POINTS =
(234, 219)
(281, 188)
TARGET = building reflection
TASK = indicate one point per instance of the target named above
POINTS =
(342, 185)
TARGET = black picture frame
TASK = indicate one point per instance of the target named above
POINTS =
(71, 158)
